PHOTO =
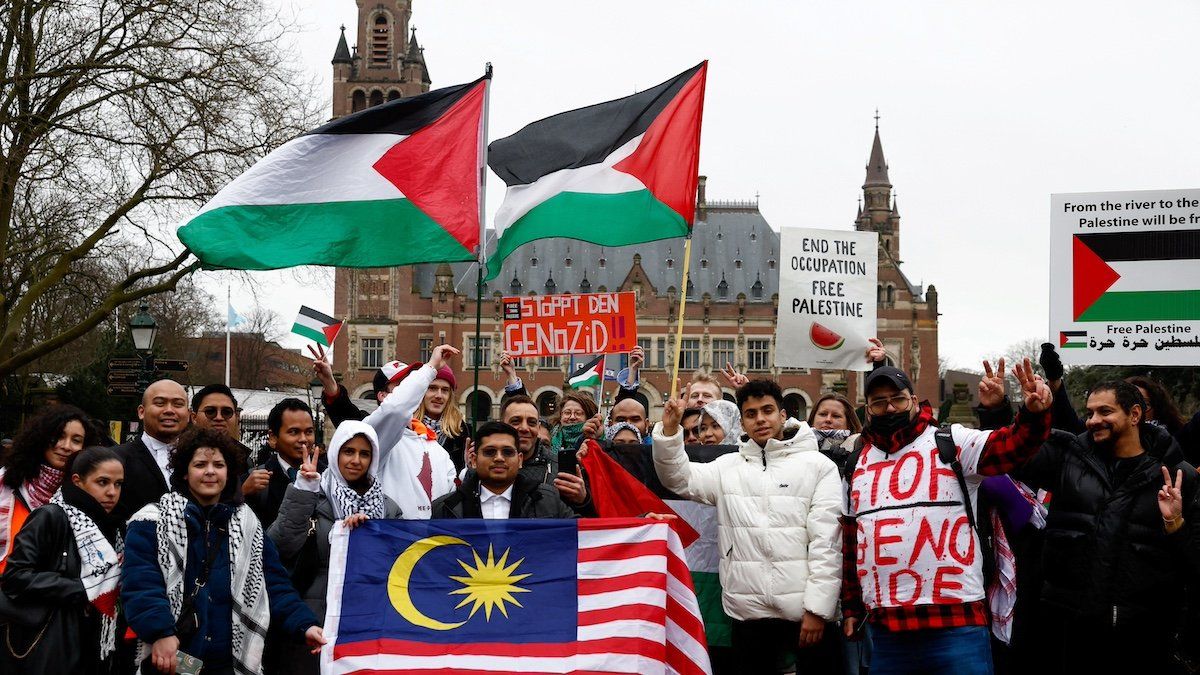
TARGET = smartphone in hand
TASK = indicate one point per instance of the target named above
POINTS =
(567, 462)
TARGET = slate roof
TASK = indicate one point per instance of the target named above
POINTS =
(728, 234)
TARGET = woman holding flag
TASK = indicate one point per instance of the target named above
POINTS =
(66, 565)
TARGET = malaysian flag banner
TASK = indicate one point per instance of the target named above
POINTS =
(511, 596)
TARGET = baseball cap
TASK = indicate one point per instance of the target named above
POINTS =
(888, 375)
(392, 372)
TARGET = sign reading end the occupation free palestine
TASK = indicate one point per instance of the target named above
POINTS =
(1125, 277)
(827, 298)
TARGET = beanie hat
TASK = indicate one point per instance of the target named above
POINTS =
(444, 373)
(391, 373)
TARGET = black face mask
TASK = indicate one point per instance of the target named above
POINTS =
(886, 425)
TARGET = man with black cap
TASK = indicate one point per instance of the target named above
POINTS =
(912, 560)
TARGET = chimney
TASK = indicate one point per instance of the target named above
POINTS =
(701, 200)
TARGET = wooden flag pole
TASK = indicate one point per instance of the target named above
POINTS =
(687, 259)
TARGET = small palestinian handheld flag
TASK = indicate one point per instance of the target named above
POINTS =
(615, 173)
(589, 375)
(395, 184)
(318, 327)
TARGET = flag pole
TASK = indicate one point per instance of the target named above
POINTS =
(600, 384)
(228, 305)
(482, 257)
(687, 259)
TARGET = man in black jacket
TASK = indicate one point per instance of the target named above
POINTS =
(291, 431)
(1122, 539)
(164, 415)
(497, 490)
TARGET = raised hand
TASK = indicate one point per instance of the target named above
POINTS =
(733, 377)
(571, 487)
(1170, 499)
(442, 354)
(673, 412)
(594, 428)
(507, 367)
(308, 468)
(992, 387)
(323, 370)
(636, 358)
(875, 351)
(1036, 393)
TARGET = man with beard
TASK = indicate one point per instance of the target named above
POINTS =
(1122, 538)
(912, 562)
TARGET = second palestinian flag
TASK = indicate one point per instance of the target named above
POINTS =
(616, 173)
(395, 184)
(589, 375)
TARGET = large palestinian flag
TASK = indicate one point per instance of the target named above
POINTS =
(1136, 276)
(395, 184)
(615, 173)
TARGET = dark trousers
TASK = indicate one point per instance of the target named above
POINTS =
(762, 647)
(1094, 645)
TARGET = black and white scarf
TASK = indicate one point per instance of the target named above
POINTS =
(251, 605)
(100, 569)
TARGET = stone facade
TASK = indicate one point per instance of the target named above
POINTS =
(732, 298)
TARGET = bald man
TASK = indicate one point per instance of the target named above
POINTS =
(164, 415)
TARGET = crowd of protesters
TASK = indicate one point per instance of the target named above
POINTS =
(862, 539)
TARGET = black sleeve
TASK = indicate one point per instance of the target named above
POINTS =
(33, 565)
(1188, 437)
(1062, 413)
(1042, 471)
(341, 408)
(995, 418)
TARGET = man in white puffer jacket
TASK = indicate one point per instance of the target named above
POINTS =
(778, 501)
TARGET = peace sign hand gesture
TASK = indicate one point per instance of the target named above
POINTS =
(1034, 389)
(992, 386)
(1170, 500)
(733, 377)
(323, 370)
(673, 412)
(308, 468)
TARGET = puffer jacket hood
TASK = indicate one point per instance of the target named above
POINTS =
(797, 437)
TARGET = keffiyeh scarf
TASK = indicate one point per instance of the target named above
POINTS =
(346, 501)
(100, 569)
(41, 488)
(251, 606)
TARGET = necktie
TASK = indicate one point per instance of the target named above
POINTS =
(291, 472)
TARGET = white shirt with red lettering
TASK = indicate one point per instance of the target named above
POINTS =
(915, 544)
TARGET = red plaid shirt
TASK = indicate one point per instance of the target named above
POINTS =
(1005, 449)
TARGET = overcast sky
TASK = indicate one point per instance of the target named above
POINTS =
(986, 109)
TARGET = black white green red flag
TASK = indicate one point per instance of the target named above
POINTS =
(615, 173)
(395, 184)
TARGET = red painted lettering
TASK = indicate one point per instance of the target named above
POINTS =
(934, 472)
(941, 585)
(961, 525)
(894, 584)
(894, 483)
(854, 494)
(861, 545)
(925, 536)
(878, 587)
(878, 468)
(881, 540)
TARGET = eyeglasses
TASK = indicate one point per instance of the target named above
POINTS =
(901, 402)
(508, 453)
(226, 413)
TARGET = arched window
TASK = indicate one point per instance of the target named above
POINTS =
(479, 406)
(723, 288)
(533, 261)
(891, 293)
(515, 286)
(551, 287)
(567, 262)
(771, 264)
(603, 263)
(738, 263)
(704, 263)
(794, 405)
(393, 95)
(879, 293)
(670, 263)
(376, 98)
(691, 289)
(380, 41)
(547, 403)
(757, 289)
(585, 286)
(358, 101)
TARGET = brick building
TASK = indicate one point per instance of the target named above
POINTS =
(732, 295)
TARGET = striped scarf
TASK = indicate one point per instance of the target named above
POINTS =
(41, 488)
(251, 606)
(100, 569)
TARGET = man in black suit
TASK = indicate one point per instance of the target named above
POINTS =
(291, 431)
(164, 415)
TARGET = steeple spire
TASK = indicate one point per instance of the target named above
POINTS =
(877, 168)
(342, 53)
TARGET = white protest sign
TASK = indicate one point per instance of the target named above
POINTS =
(827, 298)
(1125, 277)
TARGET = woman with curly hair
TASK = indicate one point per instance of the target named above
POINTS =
(200, 576)
(34, 468)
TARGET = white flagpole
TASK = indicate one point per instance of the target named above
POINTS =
(600, 385)
(228, 304)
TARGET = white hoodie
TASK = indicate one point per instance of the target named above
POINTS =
(777, 521)
(403, 454)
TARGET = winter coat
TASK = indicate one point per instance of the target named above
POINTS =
(144, 482)
(144, 596)
(529, 500)
(777, 521)
(1106, 552)
(303, 511)
(44, 568)
(414, 470)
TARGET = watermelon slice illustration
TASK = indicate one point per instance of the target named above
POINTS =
(825, 338)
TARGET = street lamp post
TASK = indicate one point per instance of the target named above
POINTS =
(143, 329)
(316, 393)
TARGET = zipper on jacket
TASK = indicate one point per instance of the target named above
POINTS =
(764, 458)
(1114, 616)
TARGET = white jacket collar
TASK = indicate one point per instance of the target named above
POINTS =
(797, 437)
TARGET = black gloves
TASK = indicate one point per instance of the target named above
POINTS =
(1050, 362)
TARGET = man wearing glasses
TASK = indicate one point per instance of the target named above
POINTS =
(496, 490)
(912, 560)
(215, 407)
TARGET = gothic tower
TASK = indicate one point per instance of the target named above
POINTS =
(881, 213)
(385, 64)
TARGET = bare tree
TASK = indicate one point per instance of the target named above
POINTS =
(117, 117)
